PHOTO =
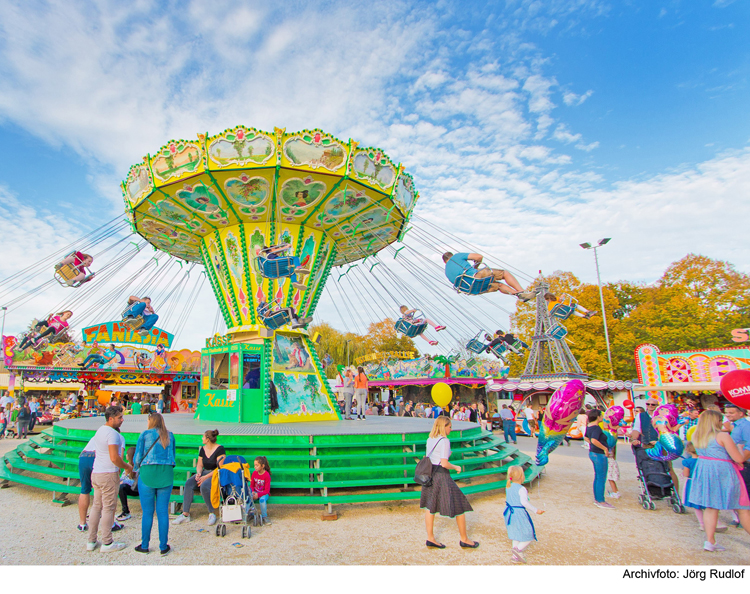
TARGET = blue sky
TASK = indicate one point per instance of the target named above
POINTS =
(529, 126)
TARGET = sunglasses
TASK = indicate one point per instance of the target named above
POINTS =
(650, 405)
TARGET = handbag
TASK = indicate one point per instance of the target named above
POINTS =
(148, 451)
(423, 471)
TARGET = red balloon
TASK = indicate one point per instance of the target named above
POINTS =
(628, 404)
(735, 386)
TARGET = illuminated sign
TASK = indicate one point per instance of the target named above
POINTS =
(119, 333)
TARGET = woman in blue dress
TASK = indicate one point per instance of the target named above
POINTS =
(716, 483)
(517, 514)
(688, 468)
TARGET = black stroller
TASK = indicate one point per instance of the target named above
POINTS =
(655, 482)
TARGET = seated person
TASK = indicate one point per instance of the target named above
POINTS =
(128, 487)
(275, 251)
(499, 338)
(511, 340)
(54, 325)
(97, 359)
(579, 310)
(141, 306)
(265, 312)
(80, 262)
(457, 264)
(408, 316)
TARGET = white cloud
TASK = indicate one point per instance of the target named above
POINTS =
(570, 98)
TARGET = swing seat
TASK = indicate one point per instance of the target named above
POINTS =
(499, 350)
(276, 268)
(410, 329)
(273, 319)
(476, 346)
(557, 331)
(469, 285)
(565, 308)
(132, 322)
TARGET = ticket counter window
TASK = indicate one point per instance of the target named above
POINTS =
(220, 371)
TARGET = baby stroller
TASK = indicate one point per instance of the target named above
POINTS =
(655, 482)
(235, 497)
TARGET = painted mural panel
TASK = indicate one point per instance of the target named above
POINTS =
(241, 146)
(175, 160)
(300, 395)
(290, 354)
(314, 149)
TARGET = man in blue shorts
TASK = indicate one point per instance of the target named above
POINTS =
(458, 264)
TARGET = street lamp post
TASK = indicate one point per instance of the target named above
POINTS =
(2, 332)
(588, 246)
(347, 351)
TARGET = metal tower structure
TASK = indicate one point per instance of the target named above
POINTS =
(550, 357)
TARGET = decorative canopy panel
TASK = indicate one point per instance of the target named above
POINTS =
(190, 189)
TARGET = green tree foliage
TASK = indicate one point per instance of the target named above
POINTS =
(381, 336)
(694, 305)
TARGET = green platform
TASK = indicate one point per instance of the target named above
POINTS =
(316, 463)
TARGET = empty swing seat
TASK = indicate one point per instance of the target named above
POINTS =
(470, 285)
(499, 350)
(410, 329)
(476, 346)
(276, 267)
(557, 331)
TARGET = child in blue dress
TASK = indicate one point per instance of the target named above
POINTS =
(516, 515)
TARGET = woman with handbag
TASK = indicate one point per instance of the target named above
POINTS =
(442, 495)
(155, 459)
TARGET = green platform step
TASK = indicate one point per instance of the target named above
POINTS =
(304, 473)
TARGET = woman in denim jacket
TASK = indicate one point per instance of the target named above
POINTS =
(154, 461)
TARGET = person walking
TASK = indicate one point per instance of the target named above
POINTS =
(105, 478)
(443, 496)
(530, 415)
(210, 456)
(155, 459)
(23, 419)
(348, 393)
(34, 408)
(509, 424)
(360, 391)
(518, 508)
(598, 454)
(716, 480)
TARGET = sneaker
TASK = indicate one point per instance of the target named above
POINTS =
(439, 328)
(91, 546)
(181, 519)
(113, 546)
(734, 523)
(211, 519)
(165, 551)
(266, 521)
(721, 528)
(123, 517)
(144, 332)
(604, 505)
(518, 555)
(301, 271)
(591, 314)
(614, 495)
(525, 296)
(83, 527)
(433, 343)
(299, 286)
(116, 527)
(713, 548)
(140, 549)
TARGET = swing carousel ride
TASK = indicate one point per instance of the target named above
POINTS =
(275, 220)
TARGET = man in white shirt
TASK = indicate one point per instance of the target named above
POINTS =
(530, 418)
(5, 400)
(105, 479)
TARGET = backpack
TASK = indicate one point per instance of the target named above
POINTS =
(423, 471)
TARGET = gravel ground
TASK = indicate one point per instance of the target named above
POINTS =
(572, 532)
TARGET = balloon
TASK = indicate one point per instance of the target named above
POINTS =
(669, 447)
(628, 404)
(442, 394)
(562, 409)
(689, 434)
(735, 386)
(614, 415)
(103, 397)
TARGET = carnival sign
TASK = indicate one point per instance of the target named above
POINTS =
(119, 333)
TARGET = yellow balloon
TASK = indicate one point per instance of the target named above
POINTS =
(689, 434)
(442, 394)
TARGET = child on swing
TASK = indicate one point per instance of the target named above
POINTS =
(408, 316)
(55, 324)
(80, 262)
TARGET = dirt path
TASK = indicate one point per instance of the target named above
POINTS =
(573, 531)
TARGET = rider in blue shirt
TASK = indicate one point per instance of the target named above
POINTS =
(458, 264)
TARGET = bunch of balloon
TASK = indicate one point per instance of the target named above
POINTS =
(669, 446)
(562, 409)
(441, 394)
(612, 419)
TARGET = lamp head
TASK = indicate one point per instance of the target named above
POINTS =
(605, 240)
(586, 245)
